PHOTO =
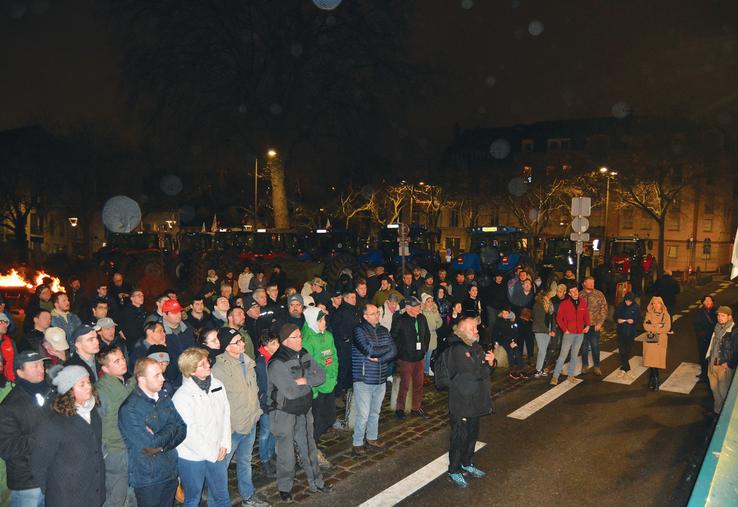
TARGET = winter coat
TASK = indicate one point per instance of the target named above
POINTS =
(136, 417)
(668, 288)
(131, 323)
(239, 378)
(597, 305)
(494, 295)
(76, 360)
(704, 323)
(20, 416)
(208, 419)
(654, 354)
(542, 319)
(7, 349)
(112, 392)
(623, 311)
(573, 318)
(407, 338)
(68, 322)
(728, 347)
(285, 367)
(473, 308)
(433, 318)
(206, 322)
(469, 391)
(68, 461)
(262, 380)
(178, 340)
(322, 348)
(505, 332)
(371, 341)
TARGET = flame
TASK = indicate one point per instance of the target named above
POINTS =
(14, 279)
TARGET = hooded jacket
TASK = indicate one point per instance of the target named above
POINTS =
(322, 348)
(239, 378)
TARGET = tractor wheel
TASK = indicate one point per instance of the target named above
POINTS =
(333, 268)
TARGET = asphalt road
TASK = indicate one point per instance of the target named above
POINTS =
(598, 444)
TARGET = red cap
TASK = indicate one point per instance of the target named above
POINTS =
(171, 305)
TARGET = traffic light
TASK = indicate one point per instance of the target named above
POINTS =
(690, 243)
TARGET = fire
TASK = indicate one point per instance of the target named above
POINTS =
(14, 279)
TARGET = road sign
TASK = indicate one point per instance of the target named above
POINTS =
(579, 236)
(580, 249)
(581, 206)
(580, 224)
(404, 249)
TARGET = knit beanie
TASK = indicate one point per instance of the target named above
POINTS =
(68, 376)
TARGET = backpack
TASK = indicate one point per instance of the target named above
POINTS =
(440, 368)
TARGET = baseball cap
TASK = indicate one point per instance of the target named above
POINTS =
(318, 281)
(286, 330)
(295, 297)
(308, 301)
(412, 301)
(725, 310)
(57, 338)
(105, 323)
(4, 318)
(171, 305)
(27, 356)
(83, 330)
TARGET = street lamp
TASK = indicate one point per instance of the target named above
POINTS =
(73, 221)
(271, 153)
(609, 174)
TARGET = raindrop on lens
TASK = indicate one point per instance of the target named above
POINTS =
(121, 214)
(171, 184)
(275, 109)
(517, 187)
(499, 149)
(620, 110)
(490, 81)
(467, 4)
(327, 5)
(535, 28)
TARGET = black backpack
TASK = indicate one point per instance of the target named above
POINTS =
(439, 365)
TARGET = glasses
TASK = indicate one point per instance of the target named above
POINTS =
(237, 341)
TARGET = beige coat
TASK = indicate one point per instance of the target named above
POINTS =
(654, 354)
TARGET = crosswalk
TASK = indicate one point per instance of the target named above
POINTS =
(682, 380)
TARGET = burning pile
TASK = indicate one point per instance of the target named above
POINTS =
(15, 280)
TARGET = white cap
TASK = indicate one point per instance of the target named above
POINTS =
(57, 338)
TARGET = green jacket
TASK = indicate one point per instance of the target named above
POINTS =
(112, 393)
(322, 348)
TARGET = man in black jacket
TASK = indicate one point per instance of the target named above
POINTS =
(132, 318)
(468, 397)
(20, 414)
(412, 337)
(704, 324)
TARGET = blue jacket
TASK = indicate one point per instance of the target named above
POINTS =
(371, 342)
(138, 413)
(177, 342)
(624, 311)
(262, 381)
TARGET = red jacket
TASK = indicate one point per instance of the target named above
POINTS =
(7, 348)
(572, 319)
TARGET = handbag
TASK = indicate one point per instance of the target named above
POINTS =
(653, 337)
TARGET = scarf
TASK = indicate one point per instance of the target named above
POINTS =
(203, 384)
(85, 409)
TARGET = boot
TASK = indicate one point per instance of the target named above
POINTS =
(650, 378)
(655, 379)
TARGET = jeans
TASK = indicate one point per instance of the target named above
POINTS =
(426, 362)
(368, 400)
(542, 340)
(573, 342)
(514, 356)
(266, 439)
(194, 473)
(242, 445)
(157, 495)
(591, 339)
(26, 498)
(410, 371)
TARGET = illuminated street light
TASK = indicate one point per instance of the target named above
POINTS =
(73, 221)
(272, 153)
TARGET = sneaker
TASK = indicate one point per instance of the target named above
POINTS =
(339, 425)
(523, 375)
(572, 378)
(255, 501)
(286, 497)
(325, 489)
(586, 369)
(323, 462)
(621, 374)
(554, 381)
(513, 375)
(399, 414)
(431, 374)
(390, 379)
(419, 413)
(596, 370)
(538, 373)
(473, 471)
(458, 480)
(376, 444)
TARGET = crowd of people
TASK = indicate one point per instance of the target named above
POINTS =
(107, 404)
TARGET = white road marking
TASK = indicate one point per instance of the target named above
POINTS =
(604, 354)
(636, 368)
(413, 482)
(640, 337)
(683, 379)
(713, 294)
(692, 307)
(676, 318)
(537, 404)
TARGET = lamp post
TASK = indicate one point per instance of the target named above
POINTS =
(609, 174)
(271, 153)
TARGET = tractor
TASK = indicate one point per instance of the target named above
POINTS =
(494, 248)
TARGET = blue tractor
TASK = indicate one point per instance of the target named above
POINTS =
(386, 251)
(494, 248)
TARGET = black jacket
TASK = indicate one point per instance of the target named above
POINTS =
(68, 461)
(20, 416)
(505, 332)
(206, 322)
(75, 359)
(469, 393)
(131, 324)
(624, 311)
(668, 288)
(704, 324)
(495, 295)
(406, 339)
(344, 320)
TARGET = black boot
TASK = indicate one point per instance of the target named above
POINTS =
(655, 379)
(650, 379)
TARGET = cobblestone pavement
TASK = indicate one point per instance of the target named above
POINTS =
(396, 434)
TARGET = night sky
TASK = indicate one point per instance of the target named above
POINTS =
(495, 63)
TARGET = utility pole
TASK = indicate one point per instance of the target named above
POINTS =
(256, 191)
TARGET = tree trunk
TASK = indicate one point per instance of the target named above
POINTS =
(21, 238)
(660, 252)
(279, 195)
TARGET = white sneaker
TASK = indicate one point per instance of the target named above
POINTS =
(430, 373)
(621, 374)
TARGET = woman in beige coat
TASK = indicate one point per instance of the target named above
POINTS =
(657, 322)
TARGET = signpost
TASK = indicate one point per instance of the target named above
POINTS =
(403, 244)
(581, 207)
